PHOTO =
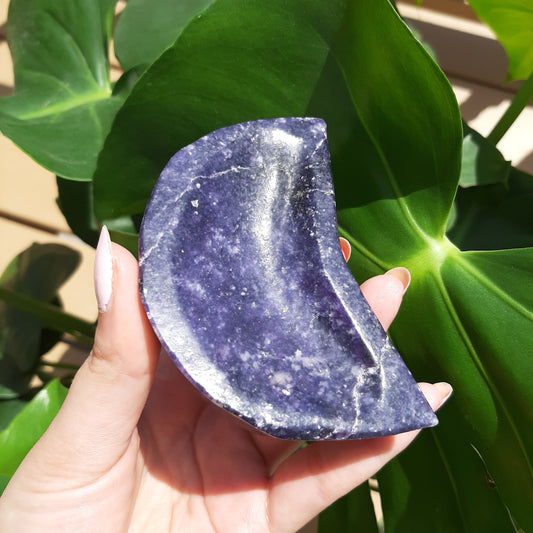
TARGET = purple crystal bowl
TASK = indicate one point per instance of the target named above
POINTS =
(244, 282)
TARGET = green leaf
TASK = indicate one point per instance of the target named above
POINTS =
(395, 135)
(9, 409)
(376, 112)
(512, 22)
(62, 107)
(492, 208)
(147, 27)
(415, 501)
(25, 430)
(351, 513)
(4, 480)
(383, 185)
(475, 304)
(237, 61)
(51, 316)
(37, 272)
(495, 216)
(75, 201)
(124, 235)
(441, 487)
(482, 163)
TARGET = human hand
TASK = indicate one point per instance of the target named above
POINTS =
(135, 447)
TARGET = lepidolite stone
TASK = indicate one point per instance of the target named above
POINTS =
(244, 282)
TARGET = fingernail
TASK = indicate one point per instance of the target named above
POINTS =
(103, 271)
(402, 274)
(446, 390)
(346, 248)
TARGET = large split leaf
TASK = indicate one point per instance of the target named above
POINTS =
(62, 107)
(24, 431)
(512, 22)
(464, 319)
(37, 272)
(472, 303)
(237, 61)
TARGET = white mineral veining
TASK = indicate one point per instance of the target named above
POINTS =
(208, 337)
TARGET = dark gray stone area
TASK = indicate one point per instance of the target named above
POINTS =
(244, 282)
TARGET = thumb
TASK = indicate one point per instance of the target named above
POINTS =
(101, 411)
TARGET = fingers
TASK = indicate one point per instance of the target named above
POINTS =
(325, 471)
(384, 293)
(109, 391)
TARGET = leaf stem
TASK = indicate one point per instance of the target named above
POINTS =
(520, 100)
(64, 366)
(51, 316)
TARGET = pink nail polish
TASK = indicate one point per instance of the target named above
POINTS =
(103, 271)
(346, 248)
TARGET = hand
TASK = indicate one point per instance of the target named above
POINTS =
(135, 447)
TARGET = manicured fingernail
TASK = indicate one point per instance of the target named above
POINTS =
(103, 271)
(402, 274)
(446, 390)
(346, 248)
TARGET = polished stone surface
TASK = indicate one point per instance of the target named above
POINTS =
(244, 281)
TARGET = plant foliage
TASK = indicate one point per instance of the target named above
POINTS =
(512, 22)
(25, 428)
(407, 194)
(35, 274)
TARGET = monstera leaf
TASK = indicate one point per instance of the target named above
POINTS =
(466, 318)
(353, 512)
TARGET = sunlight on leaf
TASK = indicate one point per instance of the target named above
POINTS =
(395, 136)
(512, 22)
(239, 61)
(143, 33)
(27, 427)
(62, 106)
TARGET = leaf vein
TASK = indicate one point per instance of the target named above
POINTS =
(504, 296)
(473, 354)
